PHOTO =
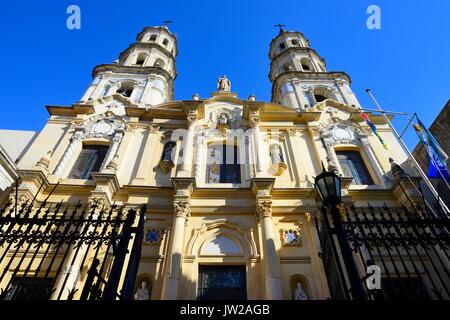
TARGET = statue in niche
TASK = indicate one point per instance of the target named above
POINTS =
(276, 154)
(224, 84)
(166, 163)
(278, 166)
(299, 293)
(222, 119)
(142, 293)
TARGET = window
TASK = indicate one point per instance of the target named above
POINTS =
(287, 67)
(141, 59)
(90, 160)
(294, 43)
(306, 64)
(221, 283)
(126, 89)
(153, 38)
(165, 42)
(319, 98)
(223, 165)
(159, 63)
(282, 46)
(29, 289)
(353, 166)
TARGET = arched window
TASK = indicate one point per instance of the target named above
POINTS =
(295, 42)
(306, 64)
(165, 42)
(287, 67)
(153, 38)
(322, 94)
(282, 46)
(352, 165)
(319, 97)
(223, 165)
(221, 245)
(89, 160)
(159, 63)
(140, 60)
(126, 89)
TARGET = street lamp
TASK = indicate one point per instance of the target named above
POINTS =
(328, 185)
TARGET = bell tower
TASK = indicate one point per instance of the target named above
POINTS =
(144, 73)
(299, 76)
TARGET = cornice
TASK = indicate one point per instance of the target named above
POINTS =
(70, 110)
(293, 49)
(284, 32)
(163, 29)
(300, 75)
(102, 68)
(148, 45)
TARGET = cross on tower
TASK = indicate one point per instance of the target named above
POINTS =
(167, 22)
(279, 25)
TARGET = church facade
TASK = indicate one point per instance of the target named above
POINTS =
(228, 182)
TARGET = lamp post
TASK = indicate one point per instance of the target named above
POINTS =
(328, 185)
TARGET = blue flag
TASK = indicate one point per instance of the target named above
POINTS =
(435, 167)
(438, 158)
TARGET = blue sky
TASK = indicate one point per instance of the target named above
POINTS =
(405, 63)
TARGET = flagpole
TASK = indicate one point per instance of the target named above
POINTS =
(405, 148)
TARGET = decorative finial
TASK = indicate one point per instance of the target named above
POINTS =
(251, 97)
(195, 96)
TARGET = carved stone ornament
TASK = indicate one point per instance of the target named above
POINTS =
(99, 202)
(290, 237)
(153, 236)
(166, 165)
(77, 123)
(182, 209)
(264, 208)
(22, 198)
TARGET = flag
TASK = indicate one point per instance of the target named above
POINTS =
(437, 170)
(373, 128)
(438, 157)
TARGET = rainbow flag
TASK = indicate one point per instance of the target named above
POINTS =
(373, 128)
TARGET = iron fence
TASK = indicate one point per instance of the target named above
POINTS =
(409, 246)
(69, 251)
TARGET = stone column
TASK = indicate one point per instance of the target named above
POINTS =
(113, 148)
(200, 150)
(372, 158)
(188, 142)
(74, 141)
(183, 190)
(262, 188)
